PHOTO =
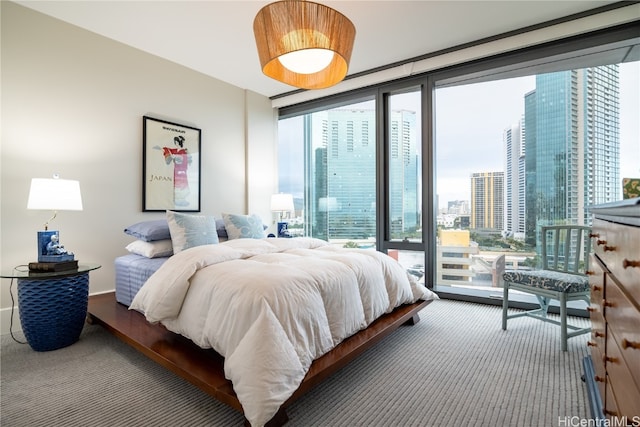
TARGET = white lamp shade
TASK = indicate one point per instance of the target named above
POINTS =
(282, 202)
(55, 195)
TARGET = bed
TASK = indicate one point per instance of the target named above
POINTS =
(271, 316)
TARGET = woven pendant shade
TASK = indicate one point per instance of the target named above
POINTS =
(289, 26)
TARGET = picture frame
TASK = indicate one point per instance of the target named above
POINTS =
(170, 166)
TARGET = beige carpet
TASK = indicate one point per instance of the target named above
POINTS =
(454, 368)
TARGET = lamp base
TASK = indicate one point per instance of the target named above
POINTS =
(283, 230)
(50, 249)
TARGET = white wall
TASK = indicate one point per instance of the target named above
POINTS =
(72, 103)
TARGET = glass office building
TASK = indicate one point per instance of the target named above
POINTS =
(572, 134)
(342, 151)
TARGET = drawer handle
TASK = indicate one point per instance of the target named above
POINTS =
(591, 344)
(591, 309)
(599, 334)
(630, 344)
(606, 303)
(598, 379)
(600, 242)
(628, 263)
(590, 272)
(596, 288)
(609, 359)
(592, 235)
(609, 248)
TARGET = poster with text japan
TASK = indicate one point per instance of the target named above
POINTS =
(171, 166)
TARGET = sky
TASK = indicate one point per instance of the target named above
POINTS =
(477, 116)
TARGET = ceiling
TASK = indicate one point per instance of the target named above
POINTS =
(216, 37)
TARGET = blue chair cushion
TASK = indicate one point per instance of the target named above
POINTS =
(550, 280)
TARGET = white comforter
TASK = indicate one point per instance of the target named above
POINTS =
(272, 306)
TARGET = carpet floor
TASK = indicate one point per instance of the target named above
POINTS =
(456, 367)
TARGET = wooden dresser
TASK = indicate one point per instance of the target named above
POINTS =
(612, 372)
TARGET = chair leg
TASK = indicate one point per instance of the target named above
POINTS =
(505, 304)
(544, 302)
(563, 321)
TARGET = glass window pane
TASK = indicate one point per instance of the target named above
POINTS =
(334, 182)
(405, 166)
(513, 155)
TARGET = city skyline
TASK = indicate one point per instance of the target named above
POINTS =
(463, 114)
(455, 166)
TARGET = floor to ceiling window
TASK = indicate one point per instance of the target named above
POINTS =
(518, 153)
(501, 148)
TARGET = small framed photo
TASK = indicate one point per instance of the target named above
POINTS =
(170, 166)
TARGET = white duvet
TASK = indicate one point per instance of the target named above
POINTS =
(272, 306)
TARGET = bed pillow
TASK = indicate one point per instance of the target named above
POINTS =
(189, 230)
(243, 226)
(149, 231)
(155, 249)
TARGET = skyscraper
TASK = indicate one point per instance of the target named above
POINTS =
(514, 179)
(573, 146)
(343, 147)
(344, 173)
(487, 200)
(602, 135)
(403, 171)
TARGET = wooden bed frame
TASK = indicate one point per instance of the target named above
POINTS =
(204, 368)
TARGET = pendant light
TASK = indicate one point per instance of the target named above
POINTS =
(304, 44)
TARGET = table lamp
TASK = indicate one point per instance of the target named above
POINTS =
(56, 195)
(282, 203)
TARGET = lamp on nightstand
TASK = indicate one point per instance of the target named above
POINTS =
(282, 203)
(56, 195)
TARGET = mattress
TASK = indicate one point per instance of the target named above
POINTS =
(131, 273)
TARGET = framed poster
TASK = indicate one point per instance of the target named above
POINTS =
(170, 166)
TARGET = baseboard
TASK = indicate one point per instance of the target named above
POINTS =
(5, 320)
(595, 400)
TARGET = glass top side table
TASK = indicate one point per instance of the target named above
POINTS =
(52, 304)
(23, 271)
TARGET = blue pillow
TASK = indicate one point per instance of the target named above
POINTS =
(149, 231)
(188, 230)
(243, 226)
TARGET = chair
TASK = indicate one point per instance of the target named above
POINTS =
(565, 254)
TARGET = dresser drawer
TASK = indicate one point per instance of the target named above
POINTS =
(596, 310)
(623, 320)
(625, 391)
(610, 405)
(596, 275)
(618, 246)
(597, 339)
(600, 375)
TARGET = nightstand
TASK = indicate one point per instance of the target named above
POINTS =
(53, 305)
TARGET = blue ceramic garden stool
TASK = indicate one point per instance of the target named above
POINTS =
(53, 310)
